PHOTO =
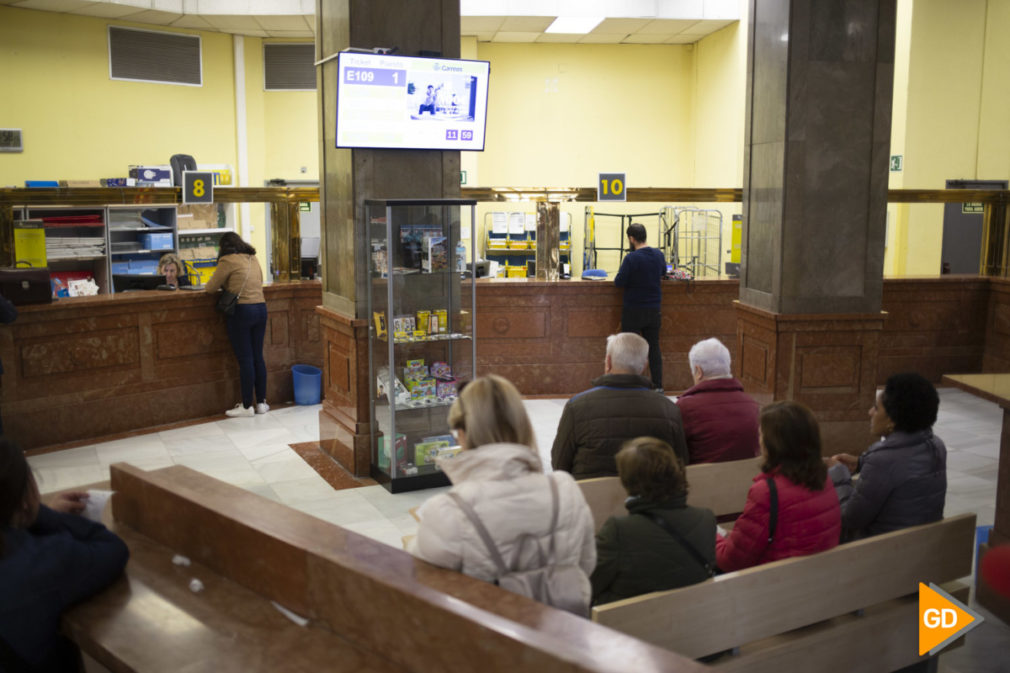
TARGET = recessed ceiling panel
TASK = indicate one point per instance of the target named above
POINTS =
(53, 5)
(155, 17)
(667, 26)
(526, 24)
(503, 36)
(641, 38)
(560, 37)
(624, 26)
(275, 22)
(106, 10)
(470, 25)
(602, 38)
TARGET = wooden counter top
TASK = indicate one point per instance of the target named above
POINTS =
(122, 299)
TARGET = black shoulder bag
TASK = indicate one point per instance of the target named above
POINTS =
(662, 523)
(773, 513)
(227, 302)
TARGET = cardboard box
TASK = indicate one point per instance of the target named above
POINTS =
(197, 216)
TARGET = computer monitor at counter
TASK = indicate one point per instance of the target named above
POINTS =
(126, 282)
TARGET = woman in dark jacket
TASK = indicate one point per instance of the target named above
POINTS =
(903, 477)
(50, 558)
(238, 271)
(793, 477)
(636, 554)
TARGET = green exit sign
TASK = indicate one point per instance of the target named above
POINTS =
(897, 161)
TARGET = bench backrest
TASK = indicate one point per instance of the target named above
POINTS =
(381, 599)
(744, 606)
(720, 487)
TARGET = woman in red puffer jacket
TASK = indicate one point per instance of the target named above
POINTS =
(808, 518)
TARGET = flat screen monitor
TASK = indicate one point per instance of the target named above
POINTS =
(122, 282)
(406, 102)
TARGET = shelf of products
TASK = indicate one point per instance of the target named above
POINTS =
(421, 343)
(138, 237)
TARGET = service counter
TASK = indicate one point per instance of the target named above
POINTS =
(90, 367)
(550, 337)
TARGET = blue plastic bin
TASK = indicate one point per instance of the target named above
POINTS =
(981, 538)
(308, 382)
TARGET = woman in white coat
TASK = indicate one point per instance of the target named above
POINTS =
(499, 475)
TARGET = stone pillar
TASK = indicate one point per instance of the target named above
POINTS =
(351, 176)
(815, 198)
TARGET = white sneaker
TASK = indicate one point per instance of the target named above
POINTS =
(240, 412)
(262, 407)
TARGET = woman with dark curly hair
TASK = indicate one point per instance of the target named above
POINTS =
(903, 477)
(792, 508)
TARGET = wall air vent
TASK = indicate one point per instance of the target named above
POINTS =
(154, 56)
(10, 140)
(289, 66)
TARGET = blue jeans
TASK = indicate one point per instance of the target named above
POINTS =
(246, 330)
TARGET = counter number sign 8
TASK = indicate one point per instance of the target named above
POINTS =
(611, 187)
(197, 187)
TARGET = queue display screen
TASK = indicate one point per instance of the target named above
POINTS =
(405, 102)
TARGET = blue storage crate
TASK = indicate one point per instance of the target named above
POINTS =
(144, 266)
(121, 267)
(160, 241)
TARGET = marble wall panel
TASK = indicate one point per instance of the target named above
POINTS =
(80, 353)
(518, 323)
(829, 369)
(183, 339)
(93, 366)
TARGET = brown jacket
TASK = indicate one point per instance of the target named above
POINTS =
(230, 274)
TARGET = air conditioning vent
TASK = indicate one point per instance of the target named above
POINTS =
(153, 56)
(10, 140)
(289, 67)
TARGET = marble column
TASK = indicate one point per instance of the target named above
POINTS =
(815, 195)
(349, 177)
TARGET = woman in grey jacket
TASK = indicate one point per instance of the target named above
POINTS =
(638, 553)
(903, 477)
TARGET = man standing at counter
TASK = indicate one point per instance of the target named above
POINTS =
(641, 273)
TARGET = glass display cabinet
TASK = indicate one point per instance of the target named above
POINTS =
(421, 334)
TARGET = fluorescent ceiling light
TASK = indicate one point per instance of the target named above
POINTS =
(574, 25)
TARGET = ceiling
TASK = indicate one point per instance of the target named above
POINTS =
(627, 22)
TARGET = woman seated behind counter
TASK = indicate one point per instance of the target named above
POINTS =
(174, 270)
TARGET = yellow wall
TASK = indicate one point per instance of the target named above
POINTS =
(79, 124)
(947, 56)
(558, 114)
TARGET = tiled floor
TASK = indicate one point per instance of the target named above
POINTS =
(254, 453)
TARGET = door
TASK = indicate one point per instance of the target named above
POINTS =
(962, 229)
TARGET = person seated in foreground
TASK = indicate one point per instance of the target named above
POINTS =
(720, 419)
(621, 406)
(50, 558)
(499, 479)
(903, 477)
(662, 543)
(792, 508)
(173, 269)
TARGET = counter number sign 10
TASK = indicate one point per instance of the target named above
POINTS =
(197, 187)
(611, 187)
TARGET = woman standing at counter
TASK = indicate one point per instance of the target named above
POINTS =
(238, 271)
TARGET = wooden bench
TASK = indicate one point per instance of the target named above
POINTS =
(369, 607)
(850, 608)
(720, 487)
